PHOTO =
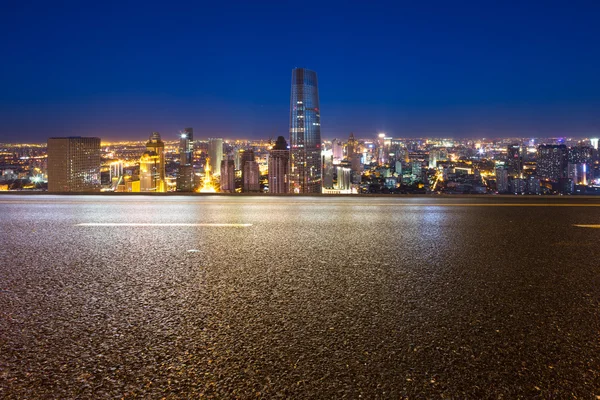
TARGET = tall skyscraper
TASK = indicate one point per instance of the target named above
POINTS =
(279, 167)
(185, 173)
(215, 154)
(74, 164)
(305, 133)
(228, 176)
(186, 147)
(152, 166)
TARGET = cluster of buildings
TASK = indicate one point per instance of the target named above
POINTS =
(304, 163)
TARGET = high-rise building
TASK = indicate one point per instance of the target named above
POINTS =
(502, 180)
(215, 154)
(186, 146)
(514, 159)
(185, 173)
(74, 164)
(279, 167)
(594, 143)
(338, 151)
(245, 156)
(251, 177)
(228, 176)
(152, 166)
(305, 133)
(552, 161)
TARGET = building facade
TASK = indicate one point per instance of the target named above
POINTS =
(305, 133)
(152, 166)
(228, 176)
(552, 161)
(215, 154)
(74, 164)
(279, 167)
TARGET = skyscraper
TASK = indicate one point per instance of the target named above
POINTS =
(185, 173)
(215, 154)
(152, 166)
(279, 167)
(227, 176)
(186, 147)
(74, 164)
(305, 133)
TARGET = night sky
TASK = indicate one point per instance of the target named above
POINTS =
(120, 70)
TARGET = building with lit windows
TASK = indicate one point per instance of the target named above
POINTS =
(74, 164)
(228, 176)
(305, 133)
(185, 173)
(279, 167)
(552, 161)
(152, 166)
(186, 147)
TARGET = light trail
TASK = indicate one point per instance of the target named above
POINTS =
(588, 226)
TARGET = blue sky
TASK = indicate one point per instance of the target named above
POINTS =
(462, 68)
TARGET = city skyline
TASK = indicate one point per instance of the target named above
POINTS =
(455, 71)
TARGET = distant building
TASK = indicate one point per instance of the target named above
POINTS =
(74, 164)
(533, 185)
(251, 179)
(228, 176)
(185, 178)
(245, 156)
(215, 154)
(305, 133)
(279, 167)
(502, 180)
(514, 159)
(552, 162)
(152, 166)
(186, 147)
(185, 173)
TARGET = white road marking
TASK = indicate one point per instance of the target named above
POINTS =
(158, 224)
(587, 226)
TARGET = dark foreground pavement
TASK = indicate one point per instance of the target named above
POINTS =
(299, 298)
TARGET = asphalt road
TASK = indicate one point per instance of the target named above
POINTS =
(299, 297)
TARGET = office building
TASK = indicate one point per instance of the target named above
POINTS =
(152, 166)
(186, 147)
(251, 177)
(305, 133)
(185, 172)
(215, 154)
(228, 176)
(74, 164)
(279, 167)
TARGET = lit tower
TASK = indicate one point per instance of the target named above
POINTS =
(305, 133)
(594, 143)
(185, 176)
(279, 167)
(186, 146)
